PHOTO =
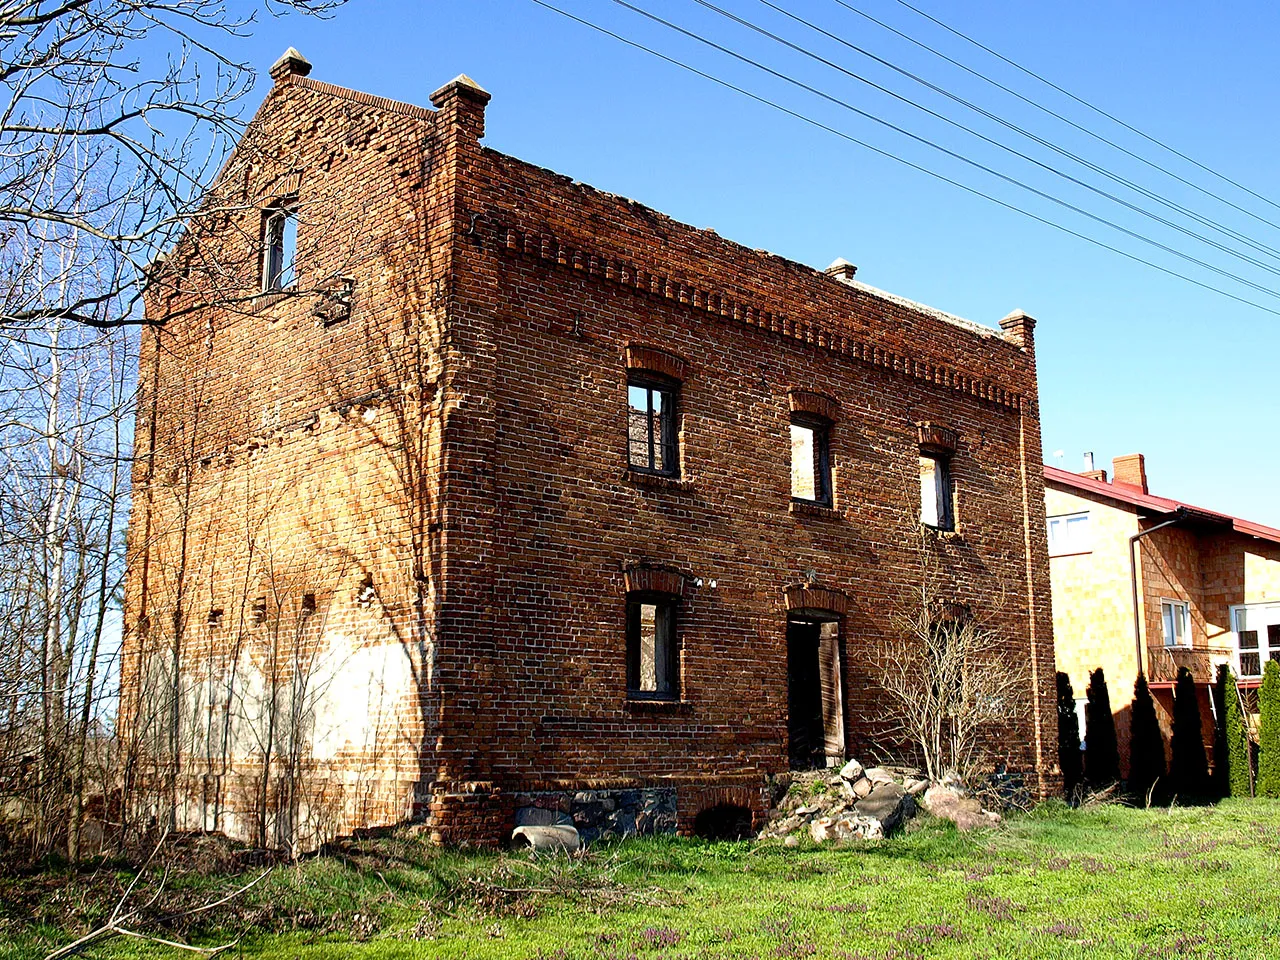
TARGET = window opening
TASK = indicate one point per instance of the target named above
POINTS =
(810, 460)
(279, 248)
(653, 661)
(1069, 534)
(936, 507)
(652, 436)
(1175, 616)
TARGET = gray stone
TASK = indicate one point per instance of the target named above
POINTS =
(888, 803)
(542, 817)
(851, 771)
(915, 787)
(862, 787)
(879, 775)
(551, 838)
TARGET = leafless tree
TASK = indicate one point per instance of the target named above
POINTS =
(117, 115)
(954, 683)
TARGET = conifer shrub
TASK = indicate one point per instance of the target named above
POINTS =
(1101, 757)
(1269, 732)
(1232, 770)
(1069, 759)
(1189, 767)
(1146, 746)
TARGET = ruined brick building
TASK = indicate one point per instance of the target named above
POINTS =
(463, 486)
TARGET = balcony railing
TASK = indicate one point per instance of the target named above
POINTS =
(1201, 661)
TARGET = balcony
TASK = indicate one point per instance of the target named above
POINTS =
(1201, 661)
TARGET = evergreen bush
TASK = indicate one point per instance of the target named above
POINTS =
(1232, 773)
(1146, 745)
(1101, 757)
(1189, 767)
(1068, 739)
(1269, 732)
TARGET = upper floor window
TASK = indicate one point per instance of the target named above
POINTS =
(653, 649)
(936, 507)
(1257, 630)
(810, 459)
(1068, 534)
(1176, 619)
(937, 492)
(279, 247)
(652, 432)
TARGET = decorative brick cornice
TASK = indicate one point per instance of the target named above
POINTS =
(937, 439)
(358, 96)
(802, 596)
(642, 282)
(656, 360)
(815, 404)
(642, 578)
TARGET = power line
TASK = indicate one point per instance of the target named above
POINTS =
(1085, 103)
(947, 151)
(1058, 116)
(890, 156)
(981, 136)
(1116, 178)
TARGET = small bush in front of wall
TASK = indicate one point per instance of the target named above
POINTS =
(1101, 757)
(1269, 732)
(1146, 746)
(1068, 739)
(1189, 768)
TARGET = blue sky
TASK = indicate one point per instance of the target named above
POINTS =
(1131, 360)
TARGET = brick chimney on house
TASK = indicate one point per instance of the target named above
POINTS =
(1130, 471)
(461, 101)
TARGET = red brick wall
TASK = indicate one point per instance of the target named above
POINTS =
(446, 471)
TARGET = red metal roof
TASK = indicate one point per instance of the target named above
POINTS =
(1145, 502)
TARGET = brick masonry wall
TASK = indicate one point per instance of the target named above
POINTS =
(416, 520)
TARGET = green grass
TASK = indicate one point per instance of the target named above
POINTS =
(1057, 883)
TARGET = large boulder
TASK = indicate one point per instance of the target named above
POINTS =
(888, 803)
(944, 800)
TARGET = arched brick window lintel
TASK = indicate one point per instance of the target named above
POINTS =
(656, 360)
(805, 597)
(937, 439)
(815, 404)
(642, 578)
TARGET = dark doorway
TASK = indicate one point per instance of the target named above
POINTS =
(815, 722)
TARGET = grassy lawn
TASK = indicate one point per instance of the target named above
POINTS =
(1107, 882)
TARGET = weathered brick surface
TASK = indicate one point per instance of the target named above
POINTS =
(444, 471)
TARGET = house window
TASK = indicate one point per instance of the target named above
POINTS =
(652, 433)
(1177, 625)
(936, 507)
(1250, 657)
(279, 248)
(810, 459)
(653, 655)
(1069, 534)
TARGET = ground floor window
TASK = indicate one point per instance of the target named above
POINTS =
(1257, 632)
(653, 649)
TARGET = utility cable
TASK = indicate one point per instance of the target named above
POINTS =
(902, 160)
(1048, 144)
(1055, 114)
(948, 152)
(1085, 103)
(970, 130)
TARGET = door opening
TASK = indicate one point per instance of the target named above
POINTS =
(815, 714)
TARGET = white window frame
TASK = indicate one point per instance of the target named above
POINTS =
(1066, 547)
(1269, 615)
(1186, 628)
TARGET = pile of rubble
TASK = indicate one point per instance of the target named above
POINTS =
(867, 803)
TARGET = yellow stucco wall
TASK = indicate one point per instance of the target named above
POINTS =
(1092, 601)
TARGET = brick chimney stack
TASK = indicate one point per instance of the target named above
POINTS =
(461, 101)
(290, 64)
(1131, 471)
(1020, 328)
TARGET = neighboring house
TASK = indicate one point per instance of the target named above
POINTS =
(463, 486)
(1207, 588)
